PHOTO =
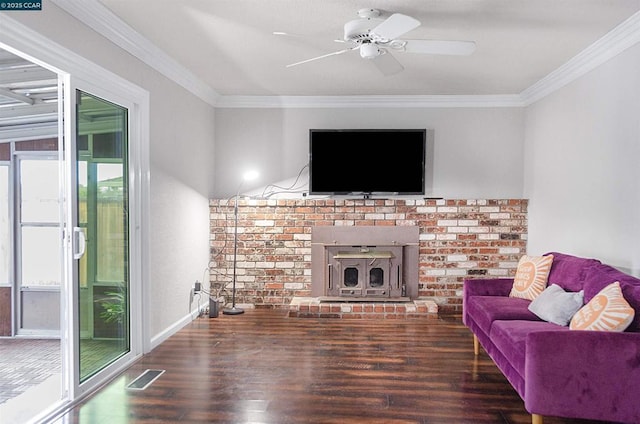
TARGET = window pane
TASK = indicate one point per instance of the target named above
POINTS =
(104, 282)
(40, 191)
(111, 216)
(41, 256)
(5, 240)
(83, 184)
(107, 145)
(83, 217)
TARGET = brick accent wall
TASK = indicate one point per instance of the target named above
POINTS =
(458, 239)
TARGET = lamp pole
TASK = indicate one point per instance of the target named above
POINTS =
(235, 310)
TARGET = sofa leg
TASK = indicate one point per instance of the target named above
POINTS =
(536, 419)
(476, 345)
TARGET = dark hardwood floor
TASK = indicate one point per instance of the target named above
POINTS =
(264, 367)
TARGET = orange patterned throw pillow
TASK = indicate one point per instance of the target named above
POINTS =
(607, 311)
(531, 276)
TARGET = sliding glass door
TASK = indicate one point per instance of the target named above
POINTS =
(101, 158)
(102, 263)
(103, 225)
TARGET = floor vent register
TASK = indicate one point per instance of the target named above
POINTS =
(145, 379)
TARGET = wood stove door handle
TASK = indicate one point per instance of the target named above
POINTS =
(330, 272)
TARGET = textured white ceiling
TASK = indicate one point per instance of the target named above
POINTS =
(230, 45)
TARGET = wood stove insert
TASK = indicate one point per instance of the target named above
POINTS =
(365, 271)
(365, 263)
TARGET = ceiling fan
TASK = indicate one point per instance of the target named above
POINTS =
(375, 38)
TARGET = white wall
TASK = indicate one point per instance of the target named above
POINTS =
(477, 152)
(181, 147)
(582, 147)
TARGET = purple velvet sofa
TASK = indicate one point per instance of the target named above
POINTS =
(557, 371)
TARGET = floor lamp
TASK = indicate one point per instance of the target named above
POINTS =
(235, 310)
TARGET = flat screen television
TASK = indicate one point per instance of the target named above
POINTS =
(367, 161)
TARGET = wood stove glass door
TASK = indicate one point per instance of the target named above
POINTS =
(351, 277)
(378, 277)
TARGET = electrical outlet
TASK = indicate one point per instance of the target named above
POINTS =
(197, 286)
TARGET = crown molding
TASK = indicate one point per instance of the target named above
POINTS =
(410, 101)
(625, 35)
(97, 17)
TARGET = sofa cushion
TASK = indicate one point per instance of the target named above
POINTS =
(556, 305)
(483, 310)
(510, 338)
(570, 272)
(607, 311)
(531, 276)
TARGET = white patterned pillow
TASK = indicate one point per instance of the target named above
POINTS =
(531, 276)
(607, 311)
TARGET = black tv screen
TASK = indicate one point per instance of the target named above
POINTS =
(367, 161)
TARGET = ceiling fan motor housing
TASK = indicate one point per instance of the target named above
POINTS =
(359, 30)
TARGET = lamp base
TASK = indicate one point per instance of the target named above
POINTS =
(233, 311)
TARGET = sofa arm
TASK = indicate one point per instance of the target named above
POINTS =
(583, 374)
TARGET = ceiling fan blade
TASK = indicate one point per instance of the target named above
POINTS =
(321, 57)
(395, 25)
(459, 48)
(387, 64)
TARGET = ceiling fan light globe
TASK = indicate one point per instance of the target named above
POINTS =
(369, 51)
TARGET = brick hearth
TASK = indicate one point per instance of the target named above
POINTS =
(313, 307)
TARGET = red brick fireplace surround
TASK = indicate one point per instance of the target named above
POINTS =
(458, 239)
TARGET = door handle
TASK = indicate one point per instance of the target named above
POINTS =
(79, 243)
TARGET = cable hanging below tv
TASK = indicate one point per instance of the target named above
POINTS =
(367, 162)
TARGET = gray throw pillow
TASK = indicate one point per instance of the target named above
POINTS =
(556, 305)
